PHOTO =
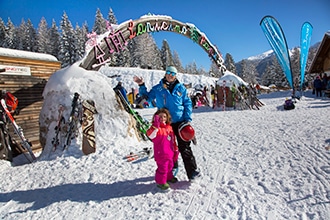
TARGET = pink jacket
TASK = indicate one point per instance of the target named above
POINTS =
(164, 142)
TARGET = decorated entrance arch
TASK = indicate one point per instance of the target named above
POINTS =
(117, 39)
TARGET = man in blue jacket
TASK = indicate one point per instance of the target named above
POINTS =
(172, 95)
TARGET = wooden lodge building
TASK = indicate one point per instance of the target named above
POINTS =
(25, 75)
(321, 61)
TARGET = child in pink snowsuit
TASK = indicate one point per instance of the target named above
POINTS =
(165, 148)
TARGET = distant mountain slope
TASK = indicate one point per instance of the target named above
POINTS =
(261, 60)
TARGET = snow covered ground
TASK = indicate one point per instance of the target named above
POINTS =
(266, 164)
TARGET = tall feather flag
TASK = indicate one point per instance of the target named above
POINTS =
(277, 41)
(305, 40)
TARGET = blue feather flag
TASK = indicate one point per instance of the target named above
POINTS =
(277, 41)
(305, 40)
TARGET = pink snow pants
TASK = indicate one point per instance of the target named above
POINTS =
(164, 170)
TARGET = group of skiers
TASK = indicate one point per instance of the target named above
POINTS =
(203, 96)
(240, 96)
(321, 85)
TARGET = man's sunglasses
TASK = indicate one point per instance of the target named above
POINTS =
(169, 73)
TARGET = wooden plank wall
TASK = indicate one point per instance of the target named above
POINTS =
(28, 90)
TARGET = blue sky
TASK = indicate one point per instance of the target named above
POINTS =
(231, 25)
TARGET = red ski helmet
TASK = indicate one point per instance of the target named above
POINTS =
(186, 132)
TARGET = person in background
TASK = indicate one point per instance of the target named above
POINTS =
(324, 83)
(214, 96)
(122, 90)
(173, 95)
(318, 86)
(165, 148)
(328, 85)
(258, 88)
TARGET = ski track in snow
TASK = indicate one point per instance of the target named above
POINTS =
(267, 164)
(251, 181)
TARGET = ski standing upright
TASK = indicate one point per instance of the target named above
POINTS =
(141, 123)
(74, 118)
(57, 140)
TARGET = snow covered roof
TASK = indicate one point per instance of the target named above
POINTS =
(321, 61)
(230, 79)
(156, 16)
(26, 54)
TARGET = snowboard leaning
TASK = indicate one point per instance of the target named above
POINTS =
(88, 141)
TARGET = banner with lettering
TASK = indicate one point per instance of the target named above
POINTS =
(15, 70)
(305, 40)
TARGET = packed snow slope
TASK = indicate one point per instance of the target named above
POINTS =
(266, 164)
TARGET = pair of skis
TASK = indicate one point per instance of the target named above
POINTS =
(68, 128)
(19, 131)
(145, 153)
(142, 124)
(82, 112)
(75, 116)
(58, 128)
